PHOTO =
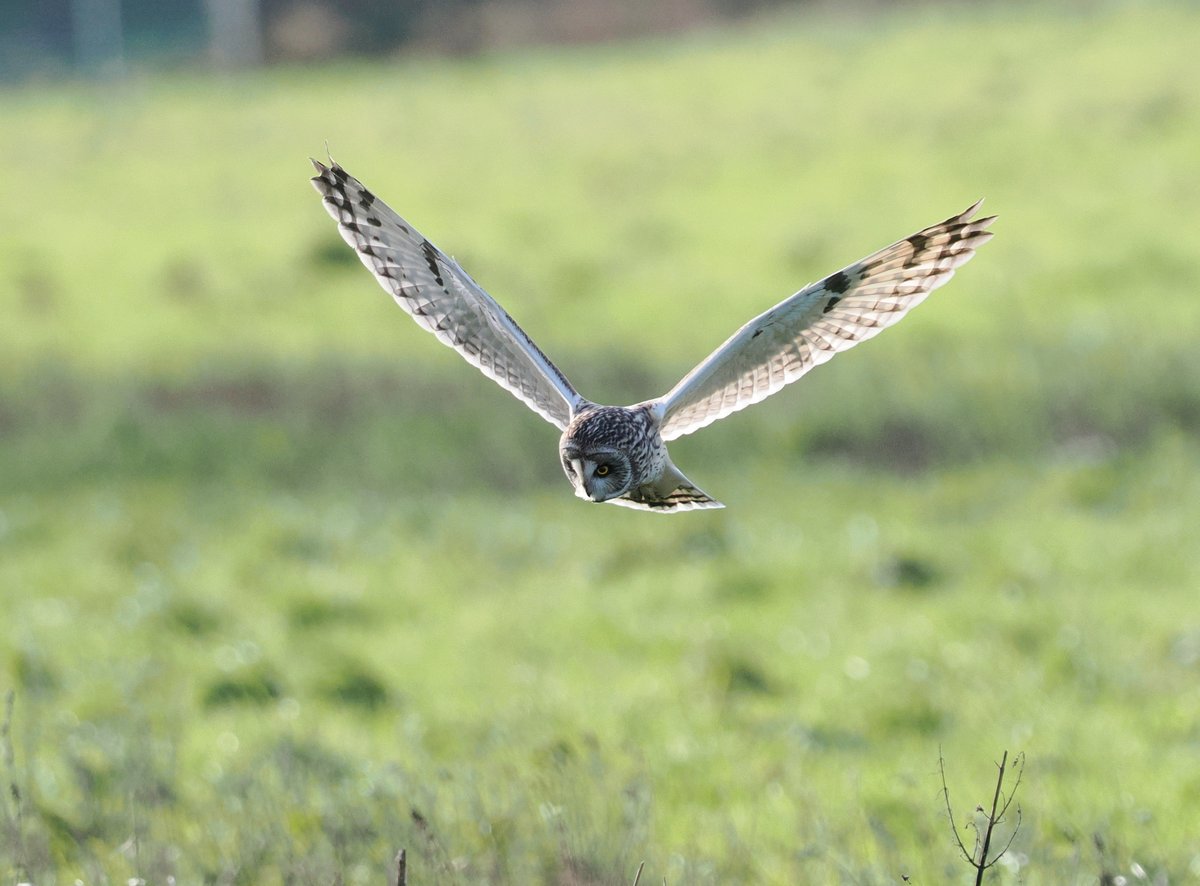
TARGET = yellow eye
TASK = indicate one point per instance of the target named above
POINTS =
(602, 471)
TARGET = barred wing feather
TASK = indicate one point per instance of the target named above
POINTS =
(836, 313)
(443, 298)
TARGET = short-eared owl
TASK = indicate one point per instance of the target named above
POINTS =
(618, 454)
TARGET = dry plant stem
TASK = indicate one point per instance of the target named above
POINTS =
(638, 875)
(402, 868)
(996, 818)
(987, 835)
(979, 859)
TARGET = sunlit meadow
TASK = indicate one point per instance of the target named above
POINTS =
(286, 587)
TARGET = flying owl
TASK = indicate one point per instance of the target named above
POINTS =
(618, 454)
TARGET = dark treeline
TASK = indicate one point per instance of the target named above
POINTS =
(55, 37)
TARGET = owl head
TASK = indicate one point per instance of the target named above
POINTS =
(597, 473)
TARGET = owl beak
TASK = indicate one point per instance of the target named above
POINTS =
(582, 489)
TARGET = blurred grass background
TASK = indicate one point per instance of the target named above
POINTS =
(287, 587)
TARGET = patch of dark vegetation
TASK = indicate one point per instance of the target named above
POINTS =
(914, 716)
(34, 674)
(734, 673)
(50, 397)
(908, 572)
(40, 292)
(744, 676)
(897, 444)
(556, 753)
(742, 585)
(332, 253)
(254, 686)
(192, 617)
(319, 612)
(301, 759)
(185, 280)
(306, 547)
(355, 686)
(830, 738)
(243, 396)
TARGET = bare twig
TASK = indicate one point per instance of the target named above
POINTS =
(1019, 765)
(981, 859)
(950, 812)
(638, 876)
(402, 868)
(991, 821)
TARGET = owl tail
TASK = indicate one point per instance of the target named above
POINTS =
(673, 492)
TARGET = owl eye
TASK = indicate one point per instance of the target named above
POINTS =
(602, 471)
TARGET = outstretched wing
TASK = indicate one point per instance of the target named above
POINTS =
(823, 318)
(443, 298)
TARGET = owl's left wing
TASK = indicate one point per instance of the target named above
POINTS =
(443, 298)
(831, 315)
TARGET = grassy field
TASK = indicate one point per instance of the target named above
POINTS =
(285, 587)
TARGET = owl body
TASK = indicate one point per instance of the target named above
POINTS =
(618, 454)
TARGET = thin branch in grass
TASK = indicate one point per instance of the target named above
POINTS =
(981, 858)
(638, 876)
(402, 868)
(950, 812)
(994, 818)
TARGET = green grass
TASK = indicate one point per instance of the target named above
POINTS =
(285, 587)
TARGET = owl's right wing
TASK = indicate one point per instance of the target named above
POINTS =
(443, 298)
(822, 319)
